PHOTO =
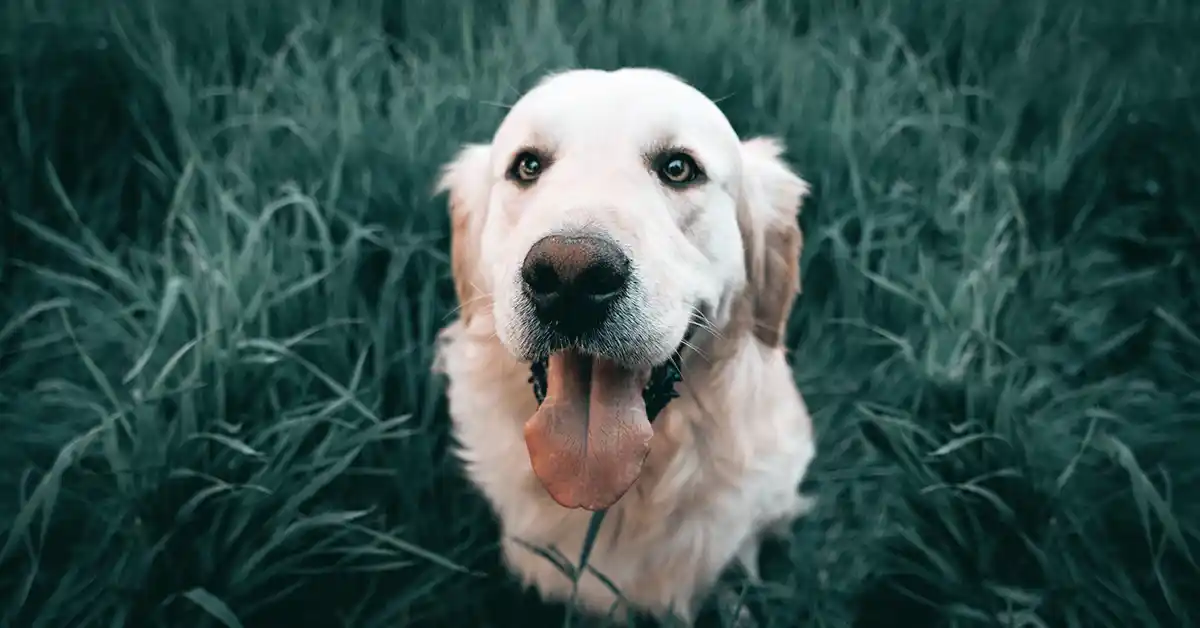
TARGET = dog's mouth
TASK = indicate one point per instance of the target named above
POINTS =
(591, 433)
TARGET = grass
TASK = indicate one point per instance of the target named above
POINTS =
(222, 270)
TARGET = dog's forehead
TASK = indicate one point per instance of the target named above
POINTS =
(635, 105)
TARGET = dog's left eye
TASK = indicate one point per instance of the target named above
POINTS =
(678, 169)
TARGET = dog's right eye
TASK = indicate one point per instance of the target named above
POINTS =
(526, 167)
(678, 169)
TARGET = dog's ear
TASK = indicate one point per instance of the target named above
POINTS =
(768, 219)
(466, 180)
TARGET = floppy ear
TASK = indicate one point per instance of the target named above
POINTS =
(767, 217)
(466, 180)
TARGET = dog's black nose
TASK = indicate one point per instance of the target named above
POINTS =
(573, 280)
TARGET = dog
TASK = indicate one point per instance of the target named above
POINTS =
(615, 224)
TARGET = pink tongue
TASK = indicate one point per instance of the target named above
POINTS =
(590, 437)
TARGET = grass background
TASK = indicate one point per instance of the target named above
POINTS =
(222, 269)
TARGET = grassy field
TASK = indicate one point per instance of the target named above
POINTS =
(222, 268)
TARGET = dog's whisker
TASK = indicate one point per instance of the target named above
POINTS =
(474, 299)
(720, 99)
(712, 331)
(703, 322)
(481, 292)
(697, 350)
(457, 309)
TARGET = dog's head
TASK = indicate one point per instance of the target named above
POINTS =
(609, 214)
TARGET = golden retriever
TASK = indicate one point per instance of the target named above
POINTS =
(615, 223)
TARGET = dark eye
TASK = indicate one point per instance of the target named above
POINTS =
(678, 169)
(526, 168)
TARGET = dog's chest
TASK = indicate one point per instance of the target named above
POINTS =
(717, 475)
(667, 538)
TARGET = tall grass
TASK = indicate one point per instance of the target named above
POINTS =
(223, 271)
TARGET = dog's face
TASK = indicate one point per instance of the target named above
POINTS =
(611, 213)
(610, 209)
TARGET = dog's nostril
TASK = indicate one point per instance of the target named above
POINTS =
(603, 281)
(541, 278)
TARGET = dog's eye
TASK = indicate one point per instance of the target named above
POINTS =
(678, 169)
(526, 168)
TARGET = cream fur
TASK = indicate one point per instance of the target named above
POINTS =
(728, 456)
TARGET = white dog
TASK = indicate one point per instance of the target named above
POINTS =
(615, 223)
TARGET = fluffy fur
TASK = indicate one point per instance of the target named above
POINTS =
(728, 455)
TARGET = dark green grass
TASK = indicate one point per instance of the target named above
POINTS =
(222, 273)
